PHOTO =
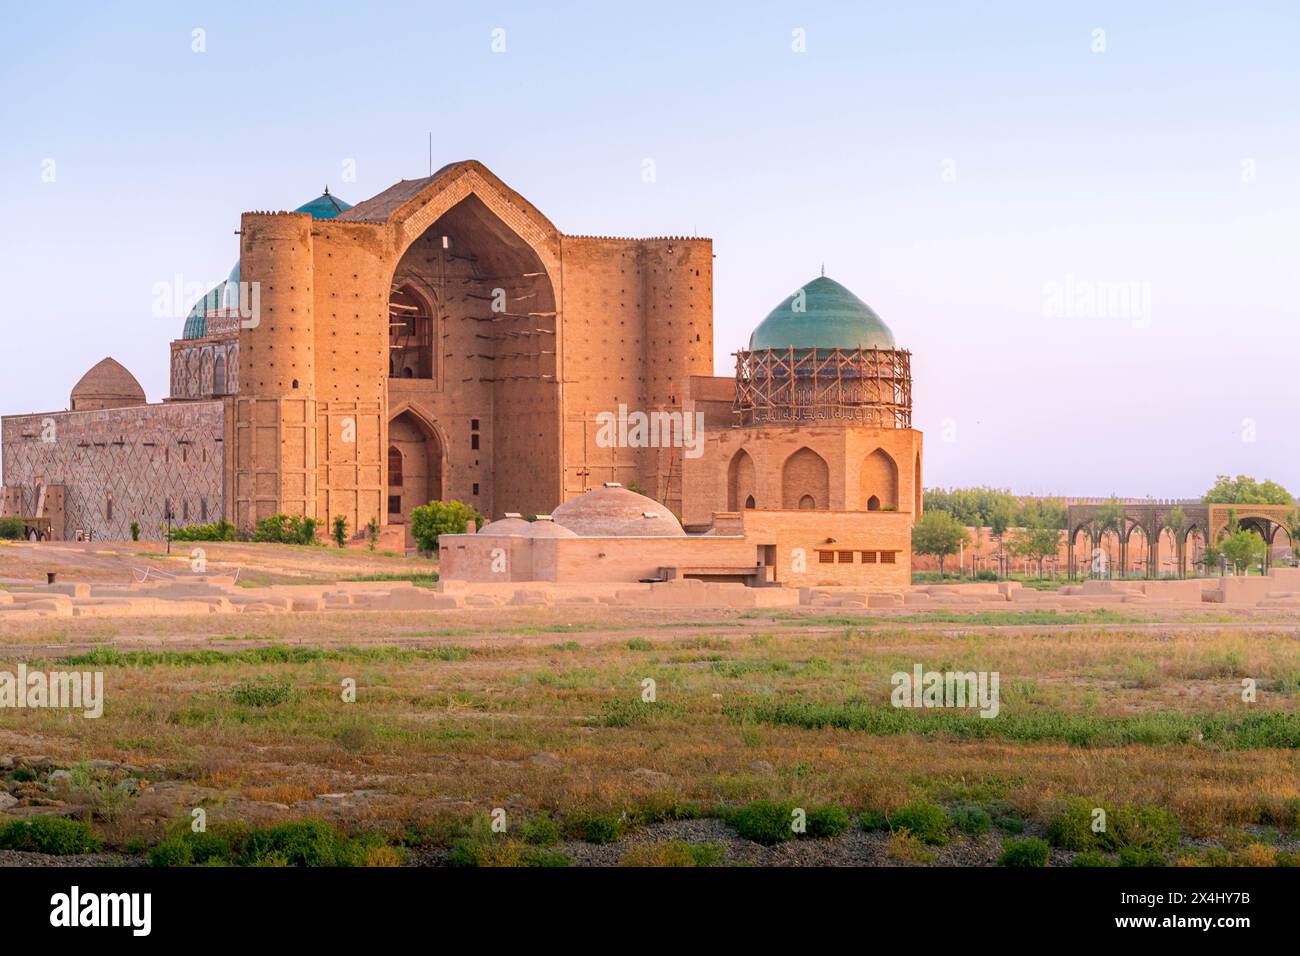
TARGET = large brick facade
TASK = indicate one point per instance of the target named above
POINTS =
(444, 340)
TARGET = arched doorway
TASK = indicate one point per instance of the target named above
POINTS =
(805, 475)
(740, 481)
(472, 318)
(878, 480)
(414, 467)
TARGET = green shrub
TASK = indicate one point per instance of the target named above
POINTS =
(828, 821)
(286, 529)
(429, 522)
(135, 531)
(540, 831)
(873, 820)
(763, 821)
(53, 835)
(262, 692)
(11, 529)
(1072, 827)
(639, 644)
(1137, 856)
(971, 819)
(339, 530)
(599, 828)
(186, 848)
(1031, 852)
(1144, 827)
(926, 821)
(300, 843)
(219, 531)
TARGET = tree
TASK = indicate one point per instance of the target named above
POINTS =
(429, 522)
(1036, 544)
(340, 530)
(938, 533)
(999, 521)
(372, 533)
(1241, 549)
(1244, 490)
(1175, 522)
(1043, 513)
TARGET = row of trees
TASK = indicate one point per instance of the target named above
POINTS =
(941, 536)
(996, 508)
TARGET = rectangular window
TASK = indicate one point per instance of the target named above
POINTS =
(826, 557)
(888, 557)
(868, 557)
(473, 441)
(185, 507)
(475, 488)
(203, 509)
(846, 557)
(394, 504)
(109, 510)
(473, 424)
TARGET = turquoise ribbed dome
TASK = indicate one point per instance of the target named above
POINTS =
(324, 206)
(825, 316)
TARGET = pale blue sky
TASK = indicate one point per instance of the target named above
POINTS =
(948, 162)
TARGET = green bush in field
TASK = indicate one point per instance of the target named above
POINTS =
(429, 522)
(11, 529)
(1135, 856)
(296, 843)
(872, 820)
(828, 821)
(971, 819)
(926, 821)
(285, 529)
(595, 827)
(263, 692)
(218, 531)
(1031, 852)
(763, 821)
(53, 835)
(1140, 828)
(540, 831)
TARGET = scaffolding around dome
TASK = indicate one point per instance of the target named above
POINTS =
(791, 385)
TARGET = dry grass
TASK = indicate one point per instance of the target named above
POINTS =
(458, 713)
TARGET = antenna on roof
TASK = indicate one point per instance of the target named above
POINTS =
(823, 270)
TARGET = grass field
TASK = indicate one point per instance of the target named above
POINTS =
(535, 718)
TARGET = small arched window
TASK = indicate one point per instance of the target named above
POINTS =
(807, 503)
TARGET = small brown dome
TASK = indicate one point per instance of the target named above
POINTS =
(545, 527)
(107, 385)
(511, 524)
(614, 511)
